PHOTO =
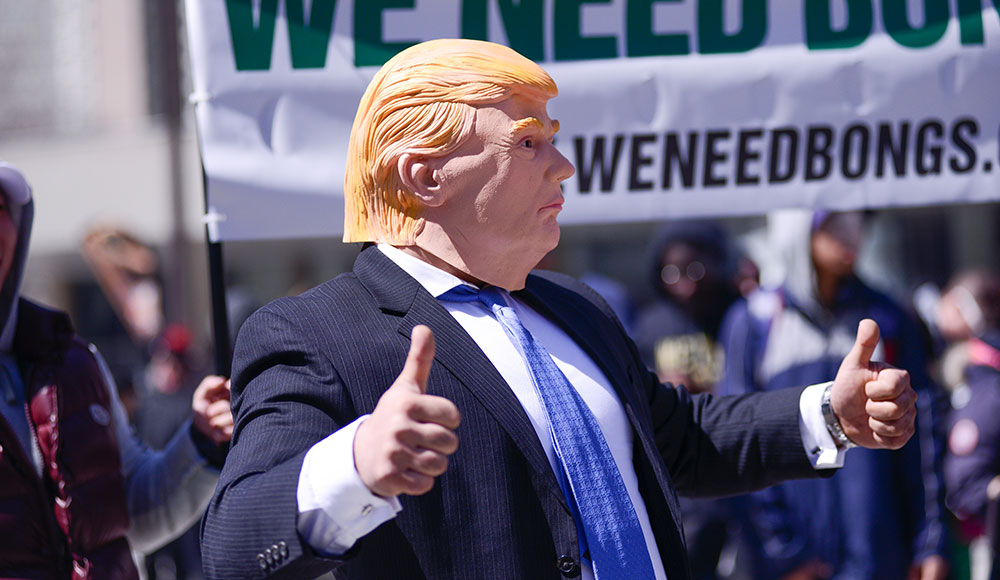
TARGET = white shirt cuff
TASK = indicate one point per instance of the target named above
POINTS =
(819, 444)
(336, 508)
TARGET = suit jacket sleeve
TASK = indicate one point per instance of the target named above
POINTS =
(717, 446)
(712, 445)
(285, 398)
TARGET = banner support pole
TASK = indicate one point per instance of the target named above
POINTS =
(217, 283)
(220, 319)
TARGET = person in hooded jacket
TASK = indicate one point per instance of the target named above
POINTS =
(856, 525)
(692, 271)
(78, 493)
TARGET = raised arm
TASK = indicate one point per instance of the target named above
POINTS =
(275, 512)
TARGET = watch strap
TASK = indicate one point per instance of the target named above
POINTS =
(832, 422)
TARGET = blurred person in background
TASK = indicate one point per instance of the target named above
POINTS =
(882, 517)
(968, 318)
(692, 270)
(128, 272)
(78, 492)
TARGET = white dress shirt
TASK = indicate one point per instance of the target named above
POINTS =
(335, 507)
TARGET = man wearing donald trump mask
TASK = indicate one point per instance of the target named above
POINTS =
(445, 412)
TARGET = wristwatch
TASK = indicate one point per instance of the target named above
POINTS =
(832, 423)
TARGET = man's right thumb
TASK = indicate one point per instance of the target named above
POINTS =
(864, 346)
(420, 358)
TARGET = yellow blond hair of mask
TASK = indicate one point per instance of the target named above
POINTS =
(422, 102)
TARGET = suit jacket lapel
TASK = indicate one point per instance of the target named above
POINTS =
(399, 294)
(590, 341)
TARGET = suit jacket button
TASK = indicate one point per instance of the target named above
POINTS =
(283, 549)
(568, 567)
(262, 561)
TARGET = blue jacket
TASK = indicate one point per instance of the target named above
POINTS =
(973, 457)
(884, 510)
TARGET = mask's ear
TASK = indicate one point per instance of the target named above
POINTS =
(418, 175)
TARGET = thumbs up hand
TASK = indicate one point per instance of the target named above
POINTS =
(406, 441)
(873, 401)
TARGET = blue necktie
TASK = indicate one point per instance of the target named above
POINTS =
(595, 488)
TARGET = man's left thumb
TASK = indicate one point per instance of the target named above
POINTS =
(861, 354)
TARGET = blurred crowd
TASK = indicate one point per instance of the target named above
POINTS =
(714, 328)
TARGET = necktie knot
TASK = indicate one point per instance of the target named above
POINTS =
(491, 296)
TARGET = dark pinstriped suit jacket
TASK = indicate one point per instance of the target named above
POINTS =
(307, 365)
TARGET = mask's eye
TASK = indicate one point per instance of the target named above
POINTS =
(528, 143)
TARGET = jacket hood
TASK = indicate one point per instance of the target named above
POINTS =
(789, 235)
(717, 289)
(17, 194)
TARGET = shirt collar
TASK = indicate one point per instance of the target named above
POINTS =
(433, 279)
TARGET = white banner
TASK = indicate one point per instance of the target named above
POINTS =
(668, 108)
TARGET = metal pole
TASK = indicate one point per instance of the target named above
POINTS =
(216, 268)
(220, 313)
(177, 265)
